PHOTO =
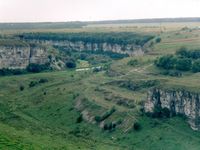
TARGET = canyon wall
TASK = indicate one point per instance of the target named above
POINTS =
(178, 102)
(130, 49)
(19, 57)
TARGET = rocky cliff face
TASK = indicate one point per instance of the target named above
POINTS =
(38, 55)
(129, 49)
(178, 102)
(19, 57)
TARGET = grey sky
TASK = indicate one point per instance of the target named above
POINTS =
(82, 10)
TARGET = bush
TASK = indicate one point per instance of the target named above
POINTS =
(166, 62)
(79, 119)
(71, 64)
(184, 64)
(173, 73)
(36, 68)
(133, 62)
(109, 126)
(97, 118)
(137, 126)
(6, 71)
(21, 87)
(161, 112)
(196, 66)
(43, 80)
(158, 40)
(33, 83)
(166, 112)
(183, 52)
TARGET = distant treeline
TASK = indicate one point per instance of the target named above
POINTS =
(121, 38)
(153, 20)
(43, 25)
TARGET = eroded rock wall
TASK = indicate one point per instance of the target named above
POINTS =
(178, 102)
(16, 57)
(130, 49)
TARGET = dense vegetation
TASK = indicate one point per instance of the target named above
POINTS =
(31, 68)
(112, 37)
(184, 60)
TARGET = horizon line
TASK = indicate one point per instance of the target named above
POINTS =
(93, 21)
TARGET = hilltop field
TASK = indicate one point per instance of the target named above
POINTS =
(100, 106)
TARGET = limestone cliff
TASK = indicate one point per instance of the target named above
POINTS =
(130, 49)
(178, 102)
(38, 55)
(19, 57)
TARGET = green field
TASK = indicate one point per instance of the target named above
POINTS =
(61, 112)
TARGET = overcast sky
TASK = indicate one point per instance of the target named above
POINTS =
(89, 10)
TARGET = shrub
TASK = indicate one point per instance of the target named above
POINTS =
(166, 112)
(43, 80)
(157, 113)
(158, 40)
(79, 119)
(33, 83)
(184, 64)
(137, 126)
(97, 118)
(36, 68)
(133, 62)
(182, 52)
(71, 64)
(173, 73)
(161, 112)
(166, 62)
(6, 71)
(109, 126)
(21, 87)
(196, 66)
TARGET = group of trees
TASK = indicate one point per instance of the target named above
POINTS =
(184, 60)
(36, 68)
(121, 38)
(31, 68)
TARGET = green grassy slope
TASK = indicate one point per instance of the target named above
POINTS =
(32, 120)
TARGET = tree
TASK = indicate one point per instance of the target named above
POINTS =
(133, 62)
(35, 68)
(196, 66)
(158, 40)
(184, 64)
(71, 64)
(136, 126)
(166, 62)
(21, 87)
(183, 52)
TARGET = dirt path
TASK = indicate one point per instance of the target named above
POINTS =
(138, 70)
